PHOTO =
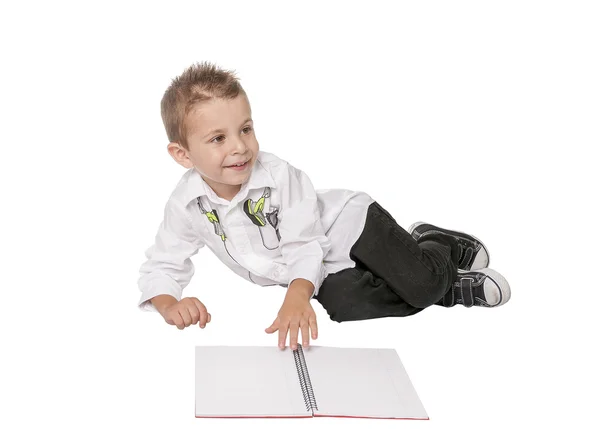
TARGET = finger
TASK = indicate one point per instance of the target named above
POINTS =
(294, 327)
(274, 326)
(312, 321)
(283, 328)
(207, 317)
(202, 313)
(304, 326)
(178, 321)
(202, 320)
(194, 313)
(185, 315)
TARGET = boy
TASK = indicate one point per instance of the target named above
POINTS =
(262, 217)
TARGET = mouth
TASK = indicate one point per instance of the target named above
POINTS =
(239, 166)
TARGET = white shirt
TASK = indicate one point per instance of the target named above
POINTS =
(276, 229)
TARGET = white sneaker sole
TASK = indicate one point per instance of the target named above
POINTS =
(495, 287)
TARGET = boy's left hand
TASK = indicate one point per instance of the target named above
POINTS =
(295, 313)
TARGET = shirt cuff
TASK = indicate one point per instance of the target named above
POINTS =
(311, 270)
(155, 286)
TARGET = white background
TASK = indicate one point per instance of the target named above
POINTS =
(477, 116)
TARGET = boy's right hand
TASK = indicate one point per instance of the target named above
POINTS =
(186, 312)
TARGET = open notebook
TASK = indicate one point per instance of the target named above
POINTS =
(315, 382)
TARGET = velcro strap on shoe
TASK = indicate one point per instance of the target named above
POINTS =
(466, 290)
(467, 257)
(448, 299)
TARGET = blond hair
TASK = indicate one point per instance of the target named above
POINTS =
(198, 83)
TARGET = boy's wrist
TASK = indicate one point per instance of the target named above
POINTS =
(162, 302)
(302, 287)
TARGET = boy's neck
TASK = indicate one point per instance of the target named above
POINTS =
(228, 193)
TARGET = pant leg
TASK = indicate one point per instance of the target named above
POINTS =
(394, 274)
(357, 294)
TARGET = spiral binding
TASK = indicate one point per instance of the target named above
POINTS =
(304, 378)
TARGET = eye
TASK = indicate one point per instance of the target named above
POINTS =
(218, 139)
(247, 130)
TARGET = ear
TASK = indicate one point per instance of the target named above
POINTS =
(180, 155)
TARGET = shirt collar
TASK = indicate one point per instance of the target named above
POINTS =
(260, 177)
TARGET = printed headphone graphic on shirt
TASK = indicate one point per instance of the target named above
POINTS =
(255, 212)
(213, 218)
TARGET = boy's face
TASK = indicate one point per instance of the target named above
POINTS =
(220, 134)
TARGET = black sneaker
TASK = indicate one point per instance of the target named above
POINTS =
(473, 254)
(482, 288)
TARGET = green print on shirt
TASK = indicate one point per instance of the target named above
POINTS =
(255, 212)
(213, 218)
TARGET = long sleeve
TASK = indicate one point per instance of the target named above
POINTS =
(168, 268)
(303, 243)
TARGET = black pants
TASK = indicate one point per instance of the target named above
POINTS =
(394, 274)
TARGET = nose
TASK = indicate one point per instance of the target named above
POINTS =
(239, 145)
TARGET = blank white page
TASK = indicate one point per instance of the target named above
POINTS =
(361, 382)
(247, 382)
